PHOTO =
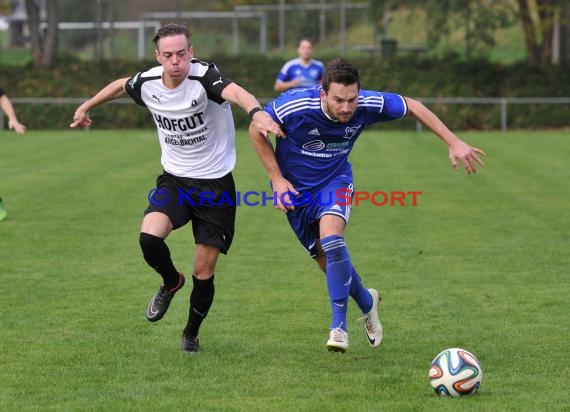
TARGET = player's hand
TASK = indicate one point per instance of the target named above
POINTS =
(284, 193)
(468, 155)
(81, 119)
(265, 124)
(17, 127)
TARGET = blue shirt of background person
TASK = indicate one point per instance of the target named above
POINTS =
(301, 72)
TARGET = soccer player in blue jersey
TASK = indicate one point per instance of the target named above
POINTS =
(301, 72)
(321, 126)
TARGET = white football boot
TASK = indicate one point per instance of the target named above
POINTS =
(372, 325)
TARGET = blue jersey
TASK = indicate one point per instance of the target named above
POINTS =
(309, 75)
(316, 148)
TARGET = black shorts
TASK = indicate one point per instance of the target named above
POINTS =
(209, 203)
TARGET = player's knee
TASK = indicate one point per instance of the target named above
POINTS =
(203, 271)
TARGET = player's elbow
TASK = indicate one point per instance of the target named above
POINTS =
(414, 106)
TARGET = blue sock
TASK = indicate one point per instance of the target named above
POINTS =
(359, 293)
(338, 274)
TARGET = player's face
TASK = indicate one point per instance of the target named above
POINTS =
(305, 50)
(174, 54)
(340, 101)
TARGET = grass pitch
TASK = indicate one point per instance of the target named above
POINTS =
(480, 263)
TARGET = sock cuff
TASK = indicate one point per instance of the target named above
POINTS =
(202, 282)
(330, 243)
(147, 236)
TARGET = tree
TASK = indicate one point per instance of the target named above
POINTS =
(478, 19)
(565, 36)
(44, 42)
(537, 19)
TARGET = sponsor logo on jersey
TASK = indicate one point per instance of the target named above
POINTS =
(336, 146)
(218, 82)
(184, 142)
(315, 132)
(157, 98)
(314, 145)
(179, 125)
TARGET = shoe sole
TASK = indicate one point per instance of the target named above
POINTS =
(333, 348)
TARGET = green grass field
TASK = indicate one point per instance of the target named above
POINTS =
(481, 263)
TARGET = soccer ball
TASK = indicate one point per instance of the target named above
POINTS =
(455, 372)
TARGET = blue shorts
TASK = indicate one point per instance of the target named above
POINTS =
(333, 199)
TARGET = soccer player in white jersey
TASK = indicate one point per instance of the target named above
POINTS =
(302, 72)
(189, 101)
(309, 168)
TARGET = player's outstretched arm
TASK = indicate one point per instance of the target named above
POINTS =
(247, 101)
(458, 149)
(112, 91)
(281, 186)
(280, 86)
(8, 109)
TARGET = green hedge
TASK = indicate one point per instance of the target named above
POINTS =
(409, 76)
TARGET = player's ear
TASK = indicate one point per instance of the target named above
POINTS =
(157, 55)
(190, 52)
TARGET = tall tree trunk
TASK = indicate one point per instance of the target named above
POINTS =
(44, 46)
(52, 35)
(34, 25)
(546, 14)
(565, 41)
(538, 35)
(528, 30)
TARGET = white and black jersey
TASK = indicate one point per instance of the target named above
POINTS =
(194, 123)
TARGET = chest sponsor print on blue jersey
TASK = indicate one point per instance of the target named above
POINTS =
(338, 146)
(314, 145)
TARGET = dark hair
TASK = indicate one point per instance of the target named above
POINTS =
(340, 71)
(171, 29)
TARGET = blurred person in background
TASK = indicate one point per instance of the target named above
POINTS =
(302, 72)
